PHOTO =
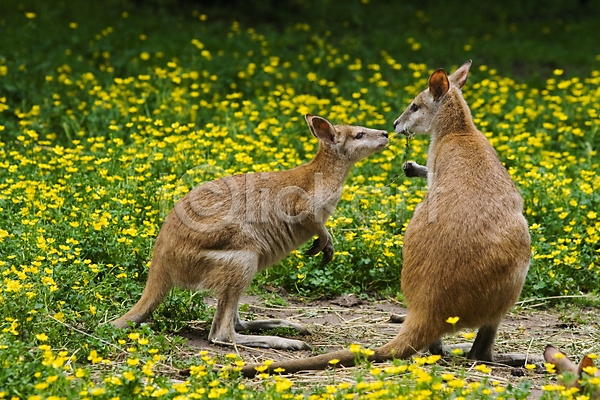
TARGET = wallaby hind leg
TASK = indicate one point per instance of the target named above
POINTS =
(157, 288)
(414, 335)
(261, 325)
(483, 346)
(225, 321)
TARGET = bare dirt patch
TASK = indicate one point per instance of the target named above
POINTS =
(338, 322)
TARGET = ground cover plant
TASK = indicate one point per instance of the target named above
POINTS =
(111, 112)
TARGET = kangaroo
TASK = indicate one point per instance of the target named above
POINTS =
(564, 364)
(223, 232)
(467, 247)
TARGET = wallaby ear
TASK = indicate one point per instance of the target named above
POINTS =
(438, 84)
(320, 128)
(459, 77)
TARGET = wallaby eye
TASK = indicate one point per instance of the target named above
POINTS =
(414, 107)
(360, 135)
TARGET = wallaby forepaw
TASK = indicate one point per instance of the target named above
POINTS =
(327, 253)
(314, 249)
(411, 169)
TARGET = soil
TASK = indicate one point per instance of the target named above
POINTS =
(336, 323)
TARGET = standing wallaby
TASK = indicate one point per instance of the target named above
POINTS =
(565, 365)
(223, 232)
(467, 247)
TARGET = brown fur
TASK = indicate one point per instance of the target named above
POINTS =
(467, 248)
(222, 233)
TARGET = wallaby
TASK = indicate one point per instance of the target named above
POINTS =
(223, 232)
(564, 364)
(467, 247)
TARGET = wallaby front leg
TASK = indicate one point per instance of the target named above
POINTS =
(414, 170)
(323, 243)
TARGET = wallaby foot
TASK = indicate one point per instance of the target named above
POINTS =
(510, 359)
(227, 320)
(414, 170)
(266, 324)
(437, 348)
(483, 346)
(270, 342)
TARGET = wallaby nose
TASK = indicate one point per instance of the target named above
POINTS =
(396, 122)
(384, 133)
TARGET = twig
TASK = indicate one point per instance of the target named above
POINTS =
(528, 351)
(551, 298)
(87, 334)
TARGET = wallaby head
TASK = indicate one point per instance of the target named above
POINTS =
(346, 142)
(565, 365)
(423, 116)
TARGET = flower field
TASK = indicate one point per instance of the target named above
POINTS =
(109, 115)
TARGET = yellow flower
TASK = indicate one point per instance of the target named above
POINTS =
(41, 386)
(457, 383)
(483, 368)
(469, 335)
(550, 388)
(452, 320)
(550, 367)
(42, 336)
(590, 370)
(128, 375)
(354, 348)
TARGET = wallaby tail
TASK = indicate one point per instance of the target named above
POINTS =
(411, 338)
(341, 358)
(157, 288)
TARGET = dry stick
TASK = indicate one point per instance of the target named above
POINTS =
(92, 336)
(528, 351)
(551, 298)
(87, 334)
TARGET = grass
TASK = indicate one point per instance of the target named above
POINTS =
(110, 112)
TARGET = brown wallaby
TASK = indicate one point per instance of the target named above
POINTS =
(564, 364)
(467, 247)
(223, 232)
